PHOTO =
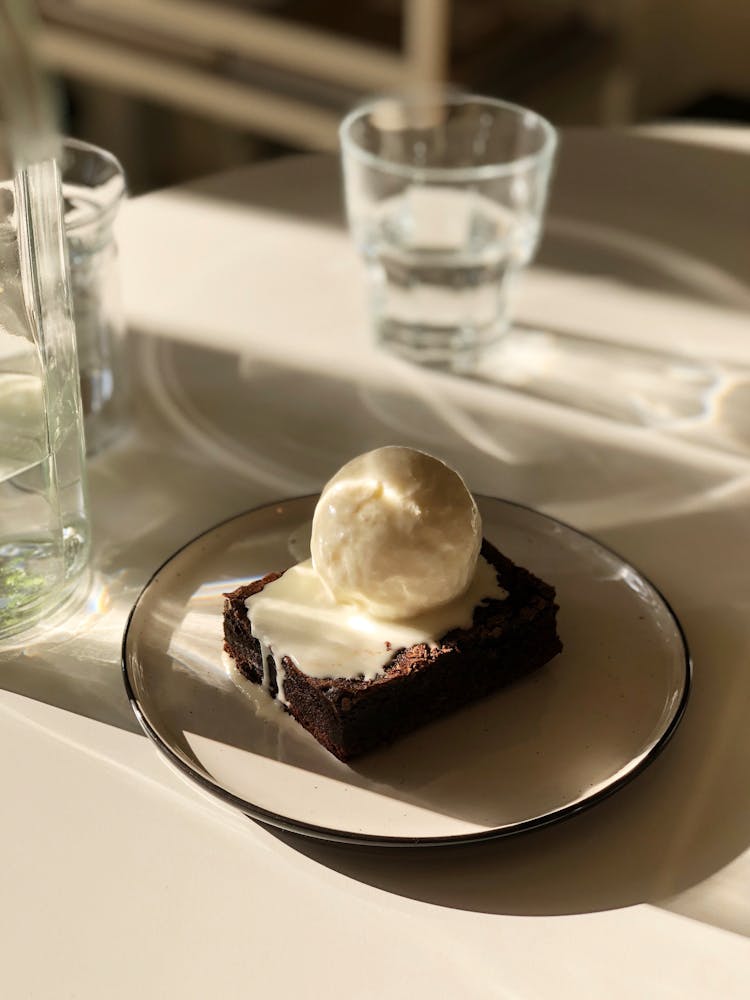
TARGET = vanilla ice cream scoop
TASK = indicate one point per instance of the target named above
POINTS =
(396, 532)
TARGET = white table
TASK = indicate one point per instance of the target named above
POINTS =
(253, 382)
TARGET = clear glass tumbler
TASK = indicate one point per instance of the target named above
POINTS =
(93, 184)
(44, 533)
(445, 198)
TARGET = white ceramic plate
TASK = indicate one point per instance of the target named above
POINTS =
(540, 750)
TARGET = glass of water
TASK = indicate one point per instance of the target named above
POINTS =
(445, 198)
(44, 525)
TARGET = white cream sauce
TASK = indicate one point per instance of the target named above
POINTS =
(296, 616)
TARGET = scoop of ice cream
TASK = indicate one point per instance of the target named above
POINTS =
(396, 532)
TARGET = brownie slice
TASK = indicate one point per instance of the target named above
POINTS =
(350, 716)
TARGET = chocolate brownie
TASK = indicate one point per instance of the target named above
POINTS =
(349, 716)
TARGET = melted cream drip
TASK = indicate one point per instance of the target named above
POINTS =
(266, 709)
(296, 616)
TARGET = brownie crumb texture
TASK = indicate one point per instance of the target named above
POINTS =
(350, 716)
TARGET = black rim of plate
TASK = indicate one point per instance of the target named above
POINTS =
(282, 822)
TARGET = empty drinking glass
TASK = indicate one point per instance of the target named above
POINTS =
(445, 197)
(93, 185)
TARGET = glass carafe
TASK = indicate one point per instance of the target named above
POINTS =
(44, 536)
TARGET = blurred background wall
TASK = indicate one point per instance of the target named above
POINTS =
(181, 88)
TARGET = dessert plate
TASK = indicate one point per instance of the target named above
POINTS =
(540, 750)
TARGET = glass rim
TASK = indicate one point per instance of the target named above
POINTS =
(107, 208)
(485, 171)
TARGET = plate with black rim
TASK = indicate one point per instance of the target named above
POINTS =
(543, 748)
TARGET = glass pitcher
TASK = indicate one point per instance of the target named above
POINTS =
(44, 535)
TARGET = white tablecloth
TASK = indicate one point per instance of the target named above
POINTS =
(253, 380)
